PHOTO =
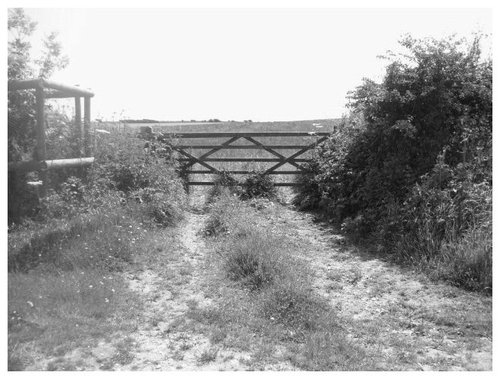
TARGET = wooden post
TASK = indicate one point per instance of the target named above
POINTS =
(78, 125)
(40, 135)
(86, 126)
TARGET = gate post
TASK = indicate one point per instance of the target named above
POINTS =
(40, 135)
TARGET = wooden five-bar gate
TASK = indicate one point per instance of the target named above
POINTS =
(189, 159)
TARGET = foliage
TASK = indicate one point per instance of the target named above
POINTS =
(258, 185)
(21, 107)
(223, 182)
(255, 185)
(411, 166)
(22, 66)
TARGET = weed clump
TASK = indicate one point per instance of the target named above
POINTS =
(293, 303)
(224, 183)
(253, 260)
(258, 185)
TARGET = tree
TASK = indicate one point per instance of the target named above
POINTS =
(21, 104)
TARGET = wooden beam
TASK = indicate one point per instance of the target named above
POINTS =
(86, 127)
(293, 156)
(63, 90)
(241, 147)
(281, 184)
(62, 94)
(214, 150)
(66, 163)
(16, 85)
(192, 160)
(78, 124)
(247, 160)
(40, 135)
(243, 134)
(242, 172)
(25, 166)
(74, 90)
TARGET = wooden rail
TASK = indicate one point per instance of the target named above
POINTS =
(46, 89)
(189, 159)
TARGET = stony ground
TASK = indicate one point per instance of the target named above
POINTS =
(399, 316)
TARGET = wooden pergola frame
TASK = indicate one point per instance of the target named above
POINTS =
(46, 89)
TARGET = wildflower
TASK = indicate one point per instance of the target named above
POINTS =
(30, 304)
(101, 283)
(106, 300)
(112, 290)
(90, 286)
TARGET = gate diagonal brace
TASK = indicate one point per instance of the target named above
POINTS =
(275, 153)
(295, 155)
(195, 160)
(200, 159)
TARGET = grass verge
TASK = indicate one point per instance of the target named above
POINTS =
(266, 304)
(66, 289)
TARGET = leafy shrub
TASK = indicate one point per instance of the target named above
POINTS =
(158, 206)
(255, 185)
(224, 182)
(258, 185)
(411, 166)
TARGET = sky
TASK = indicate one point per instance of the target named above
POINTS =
(234, 64)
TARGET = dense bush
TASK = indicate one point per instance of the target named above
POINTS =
(257, 184)
(411, 166)
(223, 182)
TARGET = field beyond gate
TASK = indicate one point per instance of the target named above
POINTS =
(197, 149)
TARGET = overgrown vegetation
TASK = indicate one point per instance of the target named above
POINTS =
(411, 168)
(274, 296)
(255, 185)
(66, 249)
(70, 255)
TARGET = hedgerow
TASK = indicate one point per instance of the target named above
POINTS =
(410, 168)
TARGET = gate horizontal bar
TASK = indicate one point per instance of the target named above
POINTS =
(238, 147)
(242, 160)
(212, 183)
(250, 134)
(243, 172)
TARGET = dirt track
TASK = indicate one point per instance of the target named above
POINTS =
(396, 315)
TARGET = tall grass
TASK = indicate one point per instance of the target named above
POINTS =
(65, 287)
(282, 303)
